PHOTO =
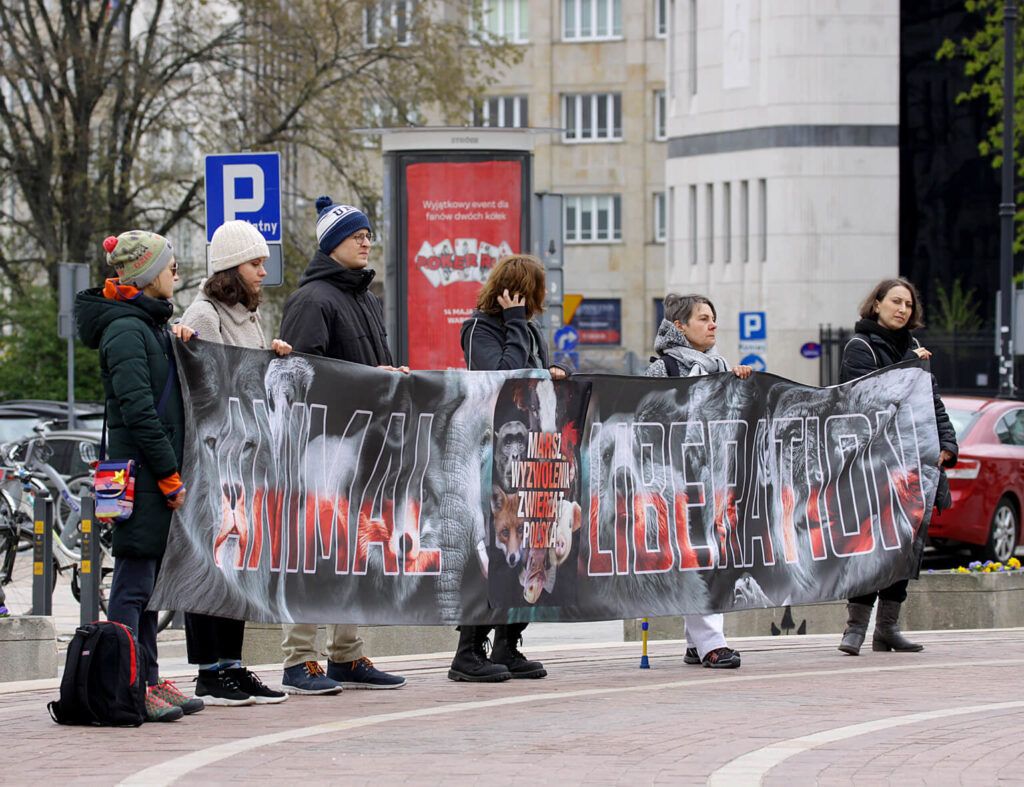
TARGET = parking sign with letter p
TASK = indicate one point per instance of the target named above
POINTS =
(247, 186)
(244, 186)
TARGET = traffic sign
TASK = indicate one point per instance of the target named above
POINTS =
(570, 303)
(755, 362)
(244, 186)
(752, 327)
(247, 186)
(566, 338)
(811, 350)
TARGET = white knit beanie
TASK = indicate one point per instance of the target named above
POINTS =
(235, 242)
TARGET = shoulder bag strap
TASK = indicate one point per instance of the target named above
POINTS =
(162, 405)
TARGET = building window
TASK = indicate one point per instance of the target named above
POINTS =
(660, 18)
(693, 225)
(693, 47)
(593, 218)
(660, 128)
(508, 19)
(709, 208)
(588, 20)
(762, 219)
(592, 117)
(660, 218)
(727, 222)
(502, 112)
(745, 220)
(388, 18)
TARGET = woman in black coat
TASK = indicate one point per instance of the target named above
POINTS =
(883, 337)
(501, 335)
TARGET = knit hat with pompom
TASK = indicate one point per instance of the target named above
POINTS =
(138, 256)
(337, 222)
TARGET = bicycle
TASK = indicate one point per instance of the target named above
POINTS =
(32, 474)
(24, 481)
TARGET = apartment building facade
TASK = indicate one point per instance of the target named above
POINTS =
(782, 166)
(594, 72)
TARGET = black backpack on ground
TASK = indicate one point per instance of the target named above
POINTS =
(103, 682)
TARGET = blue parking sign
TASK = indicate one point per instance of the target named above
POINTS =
(244, 186)
(752, 327)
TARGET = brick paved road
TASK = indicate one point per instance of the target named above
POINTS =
(798, 712)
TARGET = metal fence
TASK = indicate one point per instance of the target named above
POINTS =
(963, 362)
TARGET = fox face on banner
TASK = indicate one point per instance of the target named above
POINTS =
(327, 492)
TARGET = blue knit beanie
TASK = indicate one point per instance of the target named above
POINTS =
(337, 222)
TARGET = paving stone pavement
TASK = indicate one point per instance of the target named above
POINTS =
(797, 712)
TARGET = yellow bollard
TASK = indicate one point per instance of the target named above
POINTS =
(644, 662)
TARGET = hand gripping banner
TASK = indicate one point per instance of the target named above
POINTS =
(326, 492)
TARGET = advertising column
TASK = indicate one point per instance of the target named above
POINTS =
(457, 204)
(462, 218)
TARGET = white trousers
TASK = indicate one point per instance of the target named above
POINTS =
(704, 632)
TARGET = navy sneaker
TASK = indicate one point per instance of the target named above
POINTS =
(691, 656)
(361, 674)
(722, 658)
(308, 678)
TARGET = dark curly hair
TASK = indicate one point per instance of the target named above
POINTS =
(517, 273)
(229, 288)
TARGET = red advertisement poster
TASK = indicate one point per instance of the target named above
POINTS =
(462, 218)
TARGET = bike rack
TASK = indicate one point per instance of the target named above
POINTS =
(91, 568)
(42, 556)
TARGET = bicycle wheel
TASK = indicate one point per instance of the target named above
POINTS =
(67, 519)
(16, 535)
(104, 532)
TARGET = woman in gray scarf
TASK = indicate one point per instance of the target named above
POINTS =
(686, 346)
(687, 337)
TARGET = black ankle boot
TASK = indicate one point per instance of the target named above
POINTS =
(471, 662)
(887, 631)
(856, 627)
(506, 651)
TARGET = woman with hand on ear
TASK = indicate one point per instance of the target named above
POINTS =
(501, 334)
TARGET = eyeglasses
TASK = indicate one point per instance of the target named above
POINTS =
(362, 237)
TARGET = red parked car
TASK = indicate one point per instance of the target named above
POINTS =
(988, 480)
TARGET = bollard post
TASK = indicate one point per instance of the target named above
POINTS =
(644, 663)
(92, 565)
(42, 555)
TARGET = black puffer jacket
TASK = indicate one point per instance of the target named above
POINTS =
(874, 347)
(509, 341)
(135, 362)
(333, 314)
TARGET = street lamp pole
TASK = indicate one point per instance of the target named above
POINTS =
(1007, 209)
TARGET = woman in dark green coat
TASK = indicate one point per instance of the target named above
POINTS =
(126, 320)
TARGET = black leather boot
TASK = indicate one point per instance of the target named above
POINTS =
(857, 616)
(471, 662)
(506, 651)
(887, 631)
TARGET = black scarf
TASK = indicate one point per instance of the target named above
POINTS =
(899, 342)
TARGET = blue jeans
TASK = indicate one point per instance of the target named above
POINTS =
(134, 579)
